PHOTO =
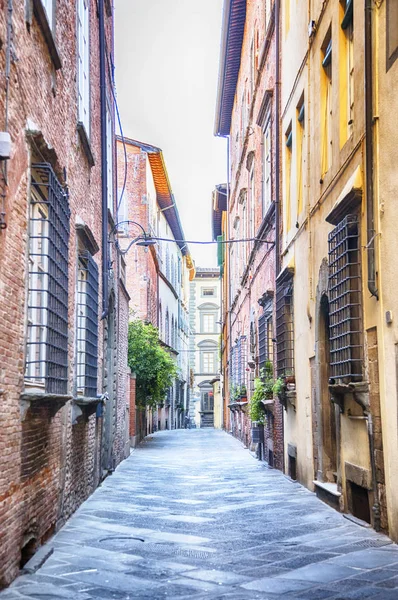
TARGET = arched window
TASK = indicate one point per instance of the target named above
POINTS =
(167, 328)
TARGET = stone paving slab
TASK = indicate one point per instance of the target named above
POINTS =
(192, 515)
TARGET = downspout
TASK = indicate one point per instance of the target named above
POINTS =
(376, 500)
(277, 138)
(104, 178)
(370, 222)
(229, 327)
(371, 233)
(277, 169)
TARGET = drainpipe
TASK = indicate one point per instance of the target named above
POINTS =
(104, 187)
(376, 500)
(277, 167)
(369, 152)
(277, 137)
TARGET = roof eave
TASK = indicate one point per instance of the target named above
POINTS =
(234, 16)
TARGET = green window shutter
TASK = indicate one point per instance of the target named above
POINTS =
(220, 250)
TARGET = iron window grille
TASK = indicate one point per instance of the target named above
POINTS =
(284, 325)
(87, 325)
(345, 316)
(239, 361)
(265, 336)
(47, 343)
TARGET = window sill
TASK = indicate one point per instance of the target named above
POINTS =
(85, 143)
(37, 395)
(87, 401)
(41, 17)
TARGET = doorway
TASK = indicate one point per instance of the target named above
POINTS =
(327, 408)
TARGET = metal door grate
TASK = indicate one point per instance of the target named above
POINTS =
(346, 351)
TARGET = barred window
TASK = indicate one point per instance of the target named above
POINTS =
(346, 351)
(265, 336)
(47, 339)
(239, 360)
(87, 325)
(284, 325)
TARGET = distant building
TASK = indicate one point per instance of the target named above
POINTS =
(204, 345)
(156, 278)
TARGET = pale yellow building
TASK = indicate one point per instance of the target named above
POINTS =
(332, 297)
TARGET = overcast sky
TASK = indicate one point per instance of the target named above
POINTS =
(167, 54)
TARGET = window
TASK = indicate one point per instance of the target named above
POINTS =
(238, 362)
(47, 339)
(265, 336)
(207, 400)
(208, 356)
(210, 291)
(267, 13)
(253, 68)
(267, 194)
(346, 70)
(287, 16)
(345, 301)
(326, 104)
(83, 17)
(167, 327)
(288, 178)
(243, 115)
(251, 198)
(208, 323)
(300, 157)
(49, 8)
(284, 325)
(208, 362)
(122, 213)
(245, 235)
(87, 325)
(392, 32)
(109, 158)
(167, 262)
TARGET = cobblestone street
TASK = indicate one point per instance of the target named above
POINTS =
(191, 514)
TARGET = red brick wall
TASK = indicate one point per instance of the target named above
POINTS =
(261, 275)
(141, 270)
(47, 465)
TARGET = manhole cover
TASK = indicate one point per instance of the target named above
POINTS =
(121, 537)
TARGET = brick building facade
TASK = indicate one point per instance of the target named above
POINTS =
(246, 113)
(57, 356)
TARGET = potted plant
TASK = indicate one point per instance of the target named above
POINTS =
(243, 393)
(256, 411)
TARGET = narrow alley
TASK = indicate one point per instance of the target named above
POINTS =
(191, 514)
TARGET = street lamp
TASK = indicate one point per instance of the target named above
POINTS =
(144, 239)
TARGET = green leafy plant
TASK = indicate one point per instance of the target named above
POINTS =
(279, 386)
(256, 409)
(154, 368)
